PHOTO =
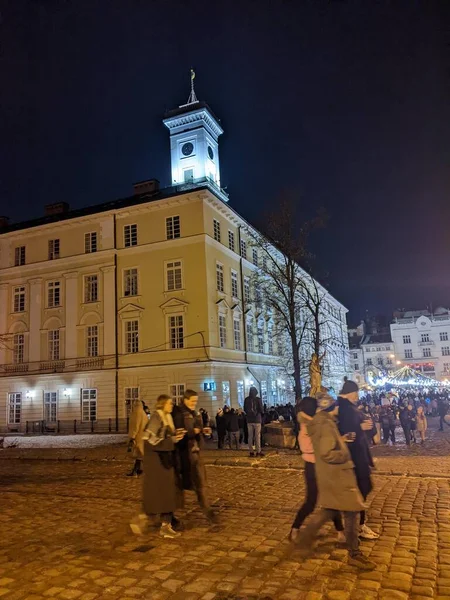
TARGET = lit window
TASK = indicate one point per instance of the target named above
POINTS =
(50, 407)
(53, 249)
(88, 405)
(176, 392)
(19, 256)
(222, 331)
(270, 340)
(92, 340)
(237, 334)
(173, 229)
(132, 337)
(231, 240)
(260, 336)
(91, 288)
(130, 282)
(53, 344)
(219, 277)
(226, 395)
(90, 242)
(19, 299)
(249, 333)
(53, 294)
(217, 230)
(174, 279)
(14, 408)
(18, 348)
(234, 284)
(176, 331)
(247, 290)
(130, 235)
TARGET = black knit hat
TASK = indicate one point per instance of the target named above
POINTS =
(349, 387)
(308, 405)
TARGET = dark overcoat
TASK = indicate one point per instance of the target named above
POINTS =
(161, 489)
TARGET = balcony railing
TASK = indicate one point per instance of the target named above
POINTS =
(20, 368)
(69, 426)
(429, 343)
(54, 366)
(90, 363)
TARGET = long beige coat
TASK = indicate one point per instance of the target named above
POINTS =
(138, 422)
(335, 472)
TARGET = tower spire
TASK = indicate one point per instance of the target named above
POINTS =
(192, 96)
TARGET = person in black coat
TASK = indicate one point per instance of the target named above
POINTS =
(349, 421)
(221, 426)
(233, 429)
(442, 411)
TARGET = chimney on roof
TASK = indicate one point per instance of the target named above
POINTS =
(4, 222)
(146, 187)
(58, 208)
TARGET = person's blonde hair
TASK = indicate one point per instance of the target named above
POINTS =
(161, 401)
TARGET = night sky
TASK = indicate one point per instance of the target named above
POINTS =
(341, 104)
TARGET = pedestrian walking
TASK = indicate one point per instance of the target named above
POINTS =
(422, 423)
(242, 425)
(307, 409)
(349, 421)
(387, 422)
(442, 411)
(233, 430)
(337, 486)
(253, 409)
(137, 424)
(188, 450)
(221, 427)
(405, 422)
(161, 490)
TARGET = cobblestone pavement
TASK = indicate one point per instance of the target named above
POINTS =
(65, 535)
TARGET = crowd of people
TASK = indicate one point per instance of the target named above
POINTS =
(334, 437)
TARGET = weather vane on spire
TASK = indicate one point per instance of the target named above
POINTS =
(192, 97)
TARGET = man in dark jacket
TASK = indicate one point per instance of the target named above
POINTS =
(233, 429)
(442, 411)
(253, 409)
(221, 426)
(349, 421)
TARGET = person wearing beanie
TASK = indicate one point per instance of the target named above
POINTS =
(349, 421)
(336, 481)
(307, 409)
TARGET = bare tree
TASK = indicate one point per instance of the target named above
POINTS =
(282, 278)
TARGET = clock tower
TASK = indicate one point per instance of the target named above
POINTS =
(194, 147)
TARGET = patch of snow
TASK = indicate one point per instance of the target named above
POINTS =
(65, 441)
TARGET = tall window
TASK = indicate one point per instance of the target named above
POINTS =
(356, 366)
(132, 337)
(19, 256)
(53, 294)
(426, 352)
(92, 340)
(258, 296)
(50, 406)
(14, 408)
(247, 290)
(217, 230)
(226, 396)
(222, 331)
(443, 336)
(264, 392)
(406, 339)
(446, 367)
(243, 249)
(131, 395)
(270, 339)
(219, 277)
(424, 337)
(445, 350)
(264, 263)
(130, 235)
(240, 392)
(234, 284)
(237, 333)
(249, 332)
(53, 249)
(231, 240)
(130, 282)
(260, 333)
(408, 353)
(176, 392)
(369, 361)
(379, 361)
(174, 275)
(90, 288)
(176, 331)
(173, 229)
(255, 257)
(88, 404)
(18, 348)
(19, 299)
(90, 242)
(53, 344)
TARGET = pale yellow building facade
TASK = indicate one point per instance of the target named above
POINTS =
(134, 298)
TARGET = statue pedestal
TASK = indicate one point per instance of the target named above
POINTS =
(280, 435)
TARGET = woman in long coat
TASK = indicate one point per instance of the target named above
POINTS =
(161, 492)
(138, 423)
